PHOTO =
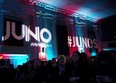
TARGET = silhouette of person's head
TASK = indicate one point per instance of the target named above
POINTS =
(75, 56)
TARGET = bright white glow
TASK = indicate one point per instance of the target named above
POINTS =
(49, 35)
(81, 50)
(37, 35)
(26, 32)
(29, 32)
(42, 53)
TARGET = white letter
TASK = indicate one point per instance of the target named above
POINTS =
(90, 43)
(14, 34)
(79, 41)
(43, 38)
(84, 41)
(7, 31)
(95, 43)
(29, 32)
(73, 41)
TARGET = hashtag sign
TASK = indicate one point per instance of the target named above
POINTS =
(69, 41)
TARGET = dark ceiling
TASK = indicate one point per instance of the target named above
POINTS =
(96, 9)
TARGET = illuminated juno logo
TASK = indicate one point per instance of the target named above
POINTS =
(27, 33)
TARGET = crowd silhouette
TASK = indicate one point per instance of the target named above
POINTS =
(75, 69)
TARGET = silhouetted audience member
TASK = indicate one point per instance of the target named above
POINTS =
(68, 69)
(106, 66)
(84, 70)
(75, 69)
(61, 65)
(53, 69)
